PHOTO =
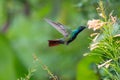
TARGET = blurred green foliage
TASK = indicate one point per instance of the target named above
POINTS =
(24, 33)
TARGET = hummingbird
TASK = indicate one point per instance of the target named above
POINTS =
(69, 35)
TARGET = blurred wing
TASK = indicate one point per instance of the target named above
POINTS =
(58, 26)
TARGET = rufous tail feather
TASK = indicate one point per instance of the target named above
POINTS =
(55, 42)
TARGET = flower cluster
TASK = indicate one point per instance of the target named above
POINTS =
(95, 24)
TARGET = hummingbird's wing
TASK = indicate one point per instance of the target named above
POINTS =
(59, 27)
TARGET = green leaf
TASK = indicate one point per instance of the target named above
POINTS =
(7, 71)
(86, 69)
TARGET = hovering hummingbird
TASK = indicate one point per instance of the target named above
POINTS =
(69, 35)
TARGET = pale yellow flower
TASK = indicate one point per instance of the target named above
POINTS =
(118, 35)
(113, 19)
(96, 37)
(106, 64)
(93, 34)
(94, 46)
(101, 15)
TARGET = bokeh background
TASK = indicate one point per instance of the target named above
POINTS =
(24, 32)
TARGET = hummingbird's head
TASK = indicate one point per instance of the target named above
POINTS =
(81, 27)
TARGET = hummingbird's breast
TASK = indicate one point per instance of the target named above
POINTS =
(71, 37)
(74, 34)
